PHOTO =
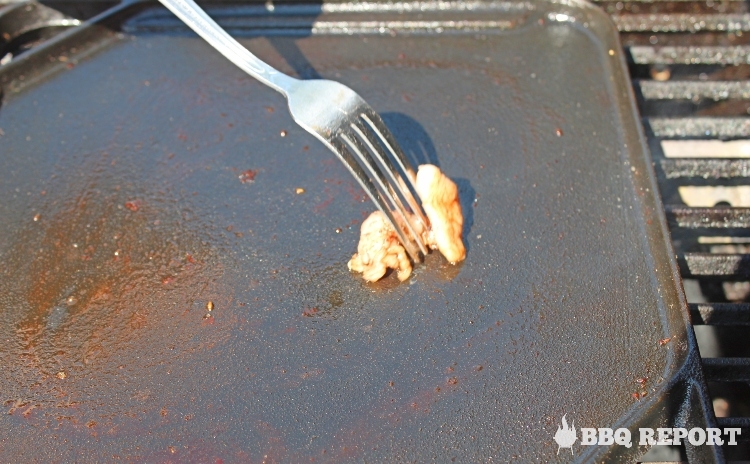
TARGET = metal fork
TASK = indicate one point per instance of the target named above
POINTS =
(339, 118)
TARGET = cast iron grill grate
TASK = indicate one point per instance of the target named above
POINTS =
(690, 64)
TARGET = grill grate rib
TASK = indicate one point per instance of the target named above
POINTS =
(709, 265)
(699, 127)
(682, 22)
(727, 369)
(716, 218)
(720, 313)
(712, 169)
(692, 90)
(708, 54)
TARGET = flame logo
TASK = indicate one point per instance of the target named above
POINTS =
(565, 437)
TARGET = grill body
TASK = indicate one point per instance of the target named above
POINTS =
(690, 65)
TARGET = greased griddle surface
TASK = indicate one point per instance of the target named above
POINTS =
(125, 214)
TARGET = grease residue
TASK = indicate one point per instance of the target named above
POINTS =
(96, 291)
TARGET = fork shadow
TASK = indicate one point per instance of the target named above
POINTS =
(419, 149)
(288, 49)
(412, 137)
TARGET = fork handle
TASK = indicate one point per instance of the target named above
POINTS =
(197, 20)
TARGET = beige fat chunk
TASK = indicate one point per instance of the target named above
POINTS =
(379, 248)
(440, 201)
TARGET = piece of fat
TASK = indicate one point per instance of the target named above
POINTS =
(379, 250)
(441, 204)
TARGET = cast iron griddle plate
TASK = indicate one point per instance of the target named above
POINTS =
(124, 214)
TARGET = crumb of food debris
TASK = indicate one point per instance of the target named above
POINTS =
(37, 217)
(61, 375)
(133, 205)
(248, 176)
(210, 306)
(439, 197)
(309, 312)
(283, 133)
(379, 250)
(664, 341)
(299, 190)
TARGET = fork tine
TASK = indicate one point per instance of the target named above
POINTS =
(377, 125)
(339, 146)
(374, 120)
(395, 178)
(399, 216)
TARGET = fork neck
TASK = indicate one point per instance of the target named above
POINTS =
(278, 81)
(268, 75)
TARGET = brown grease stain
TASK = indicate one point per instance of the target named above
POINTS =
(86, 303)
